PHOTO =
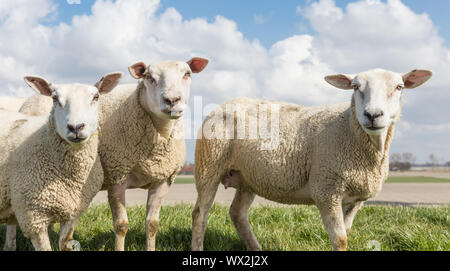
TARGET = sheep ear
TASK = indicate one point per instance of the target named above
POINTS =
(342, 81)
(108, 82)
(137, 70)
(198, 64)
(39, 84)
(416, 78)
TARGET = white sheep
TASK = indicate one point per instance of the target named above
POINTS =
(49, 168)
(11, 103)
(141, 137)
(335, 157)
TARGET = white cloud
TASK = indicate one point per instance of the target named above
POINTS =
(296, 74)
(370, 34)
(364, 35)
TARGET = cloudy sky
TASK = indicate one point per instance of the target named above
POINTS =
(272, 49)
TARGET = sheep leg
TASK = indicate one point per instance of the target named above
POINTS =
(239, 215)
(333, 220)
(66, 236)
(205, 199)
(154, 201)
(350, 211)
(40, 240)
(116, 199)
(11, 231)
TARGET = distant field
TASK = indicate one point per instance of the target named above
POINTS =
(277, 228)
(185, 180)
(390, 180)
(416, 180)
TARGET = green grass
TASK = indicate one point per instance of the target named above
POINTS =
(277, 228)
(389, 180)
(416, 180)
(184, 180)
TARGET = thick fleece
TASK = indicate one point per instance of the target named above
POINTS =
(130, 138)
(43, 179)
(11, 103)
(30, 106)
(137, 150)
(323, 158)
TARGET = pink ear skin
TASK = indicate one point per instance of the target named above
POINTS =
(198, 64)
(416, 78)
(108, 82)
(137, 70)
(341, 81)
(39, 84)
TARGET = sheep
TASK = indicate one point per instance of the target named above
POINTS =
(50, 169)
(141, 138)
(11, 103)
(335, 157)
(29, 106)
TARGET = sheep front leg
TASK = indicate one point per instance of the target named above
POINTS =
(154, 202)
(239, 215)
(333, 220)
(40, 240)
(66, 241)
(11, 231)
(350, 211)
(116, 198)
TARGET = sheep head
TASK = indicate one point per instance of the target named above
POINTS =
(75, 107)
(377, 95)
(167, 85)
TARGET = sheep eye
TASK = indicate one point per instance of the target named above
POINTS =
(399, 87)
(96, 97)
(187, 75)
(355, 87)
(149, 77)
(55, 99)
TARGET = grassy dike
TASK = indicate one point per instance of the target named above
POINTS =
(277, 228)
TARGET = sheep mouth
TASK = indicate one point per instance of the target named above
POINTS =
(374, 128)
(173, 114)
(77, 140)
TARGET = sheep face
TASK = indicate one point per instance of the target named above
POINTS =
(75, 107)
(167, 85)
(75, 112)
(377, 95)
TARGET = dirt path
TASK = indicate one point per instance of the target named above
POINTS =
(392, 193)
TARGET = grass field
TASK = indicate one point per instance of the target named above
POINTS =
(416, 180)
(184, 180)
(293, 228)
(390, 180)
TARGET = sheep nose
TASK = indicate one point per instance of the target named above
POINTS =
(373, 117)
(76, 129)
(172, 101)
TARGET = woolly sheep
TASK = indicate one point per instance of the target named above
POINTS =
(11, 103)
(141, 138)
(50, 170)
(335, 157)
(29, 106)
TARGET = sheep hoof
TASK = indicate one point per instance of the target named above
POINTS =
(73, 245)
(232, 179)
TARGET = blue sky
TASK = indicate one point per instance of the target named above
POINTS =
(298, 50)
(280, 19)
